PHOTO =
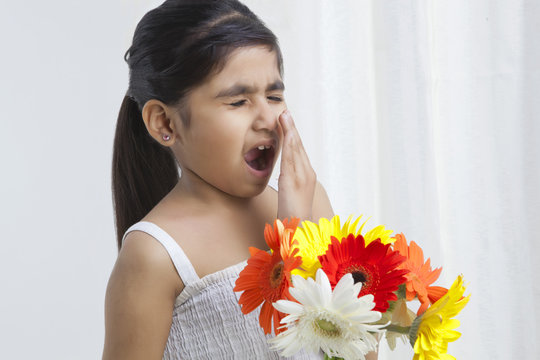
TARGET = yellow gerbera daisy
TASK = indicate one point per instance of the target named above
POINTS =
(313, 239)
(435, 328)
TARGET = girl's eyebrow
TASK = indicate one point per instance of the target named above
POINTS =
(240, 89)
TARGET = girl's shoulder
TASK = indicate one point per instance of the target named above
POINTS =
(211, 239)
(140, 297)
(143, 258)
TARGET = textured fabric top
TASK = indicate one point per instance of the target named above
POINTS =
(207, 321)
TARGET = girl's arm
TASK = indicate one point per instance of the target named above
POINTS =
(321, 204)
(140, 300)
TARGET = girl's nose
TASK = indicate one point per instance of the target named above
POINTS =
(266, 117)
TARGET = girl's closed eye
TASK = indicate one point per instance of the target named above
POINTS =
(238, 103)
(275, 98)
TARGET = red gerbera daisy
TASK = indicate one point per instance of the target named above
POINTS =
(374, 265)
(267, 276)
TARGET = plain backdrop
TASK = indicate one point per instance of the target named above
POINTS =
(422, 115)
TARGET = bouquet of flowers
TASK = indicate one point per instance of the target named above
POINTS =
(339, 289)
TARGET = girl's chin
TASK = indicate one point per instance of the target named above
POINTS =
(248, 192)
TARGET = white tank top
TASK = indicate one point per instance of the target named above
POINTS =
(207, 321)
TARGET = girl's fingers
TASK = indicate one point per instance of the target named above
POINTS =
(297, 180)
(293, 151)
(290, 134)
(286, 121)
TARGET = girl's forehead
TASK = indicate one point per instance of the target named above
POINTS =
(252, 66)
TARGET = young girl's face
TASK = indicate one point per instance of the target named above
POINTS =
(233, 139)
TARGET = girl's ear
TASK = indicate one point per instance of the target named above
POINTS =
(159, 123)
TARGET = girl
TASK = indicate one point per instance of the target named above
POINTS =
(205, 95)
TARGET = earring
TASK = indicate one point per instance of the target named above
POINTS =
(166, 137)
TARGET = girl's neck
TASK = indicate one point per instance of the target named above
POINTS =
(194, 189)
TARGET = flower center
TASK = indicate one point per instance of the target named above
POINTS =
(276, 275)
(327, 328)
(358, 276)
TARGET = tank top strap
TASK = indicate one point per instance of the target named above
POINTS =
(181, 262)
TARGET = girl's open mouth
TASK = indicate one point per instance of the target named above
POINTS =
(261, 159)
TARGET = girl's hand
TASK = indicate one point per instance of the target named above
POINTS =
(297, 181)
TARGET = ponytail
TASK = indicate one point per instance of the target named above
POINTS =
(143, 171)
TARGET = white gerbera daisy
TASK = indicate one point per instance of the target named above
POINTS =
(337, 322)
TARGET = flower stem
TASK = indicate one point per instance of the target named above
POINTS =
(398, 329)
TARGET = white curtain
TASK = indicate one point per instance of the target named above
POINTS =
(420, 114)
(425, 116)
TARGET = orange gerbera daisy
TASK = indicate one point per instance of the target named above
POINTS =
(267, 276)
(420, 275)
(375, 265)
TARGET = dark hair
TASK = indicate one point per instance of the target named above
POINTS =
(175, 48)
